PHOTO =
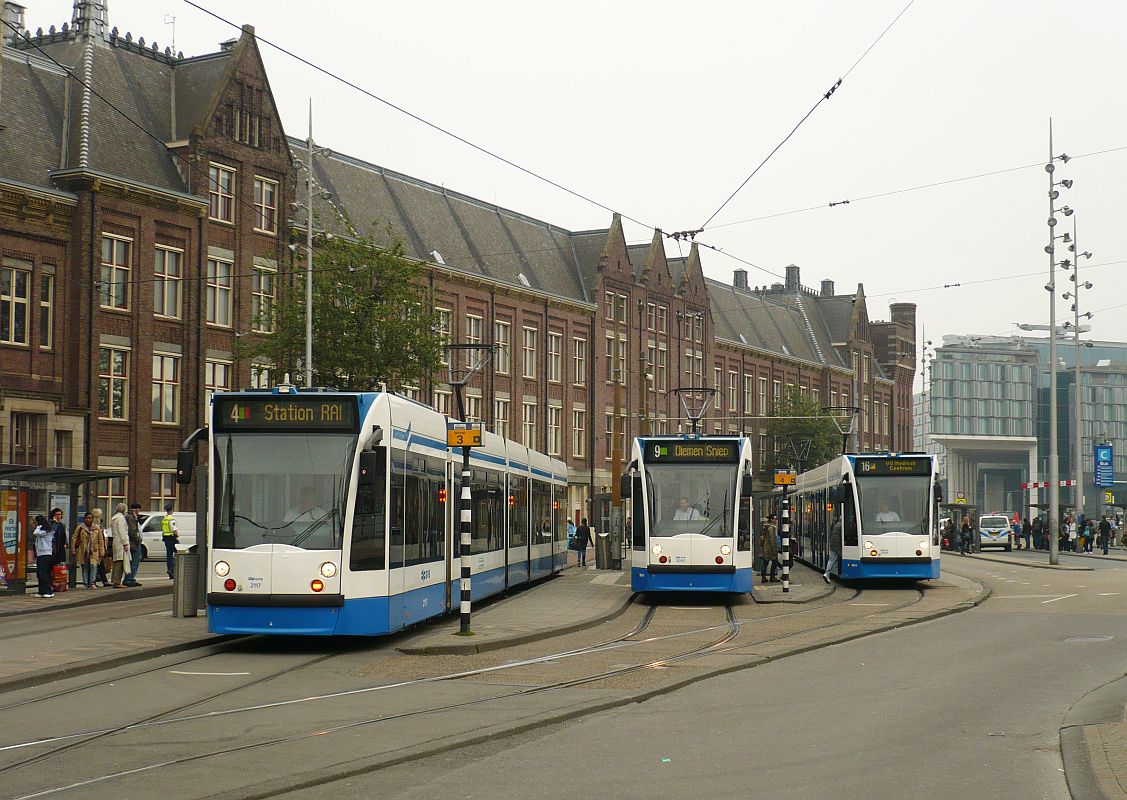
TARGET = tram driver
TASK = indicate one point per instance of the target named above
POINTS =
(306, 510)
(685, 511)
(886, 514)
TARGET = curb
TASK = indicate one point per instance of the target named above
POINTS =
(1086, 766)
(365, 765)
(1034, 565)
(818, 594)
(95, 598)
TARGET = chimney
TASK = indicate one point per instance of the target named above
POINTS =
(792, 277)
(228, 46)
(739, 279)
(776, 287)
(903, 314)
(13, 14)
(91, 18)
(827, 288)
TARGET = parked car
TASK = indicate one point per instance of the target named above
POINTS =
(152, 545)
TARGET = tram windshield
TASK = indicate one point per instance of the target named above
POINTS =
(894, 503)
(281, 489)
(691, 498)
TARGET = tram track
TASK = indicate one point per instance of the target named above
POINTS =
(725, 642)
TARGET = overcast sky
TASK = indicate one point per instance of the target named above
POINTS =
(659, 110)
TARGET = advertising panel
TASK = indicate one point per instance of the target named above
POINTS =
(13, 539)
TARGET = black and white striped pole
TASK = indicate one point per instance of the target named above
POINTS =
(785, 517)
(465, 516)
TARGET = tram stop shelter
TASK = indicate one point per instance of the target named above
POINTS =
(27, 490)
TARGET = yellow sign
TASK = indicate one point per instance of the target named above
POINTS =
(784, 478)
(463, 437)
(1109, 497)
(962, 501)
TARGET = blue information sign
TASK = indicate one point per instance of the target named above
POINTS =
(1105, 470)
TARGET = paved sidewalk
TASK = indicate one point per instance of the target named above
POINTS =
(151, 575)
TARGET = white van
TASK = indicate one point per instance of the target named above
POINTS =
(152, 544)
(994, 531)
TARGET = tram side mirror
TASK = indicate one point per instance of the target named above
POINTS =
(370, 462)
(745, 487)
(625, 485)
(938, 493)
(185, 466)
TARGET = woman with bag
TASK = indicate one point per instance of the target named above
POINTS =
(121, 553)
(43, 539)
(89, 548)
(106, 564)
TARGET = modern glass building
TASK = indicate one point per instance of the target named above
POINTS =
(989, 412)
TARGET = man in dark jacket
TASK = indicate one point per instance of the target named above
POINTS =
(132, 519)
(582, 539)
(62, 541)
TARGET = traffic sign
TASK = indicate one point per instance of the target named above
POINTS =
(1109, 497)
(1105, 466)
(785, 477)
(463, 437)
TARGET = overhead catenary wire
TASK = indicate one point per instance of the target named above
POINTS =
(821, 99)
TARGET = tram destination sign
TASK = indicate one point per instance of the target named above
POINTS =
(892, 466)
(690, 452)
(282, 413)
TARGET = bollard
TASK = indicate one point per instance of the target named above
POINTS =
(184, 584)
(786, 544)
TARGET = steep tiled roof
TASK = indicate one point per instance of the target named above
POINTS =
(32, 100)
(197, 80)
(441, 226)
(761, 321)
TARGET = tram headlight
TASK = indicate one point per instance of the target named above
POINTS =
(222, 569)
(725, 550)
(328, 569)
(656, 549)
(923, 545)
(868, 545)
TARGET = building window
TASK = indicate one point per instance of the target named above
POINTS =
(661, 319)
(259, 376)
(46, 311)
(163, 490)
(64, 446)
(114, 291)
(166, 282)
(473, 408)
(529, 353)
(221, 193)
(698, 327)
(473, 336)
(555, 357)
(610, 357)
(610, 434)
(776, 393)
(445, 318)
(113, 383)
(608, 303)
(578, 433)
(699, 363)
(622, 315)
(555, 423)
(265, 205)
(749, 390)
(579, 360)
(219, 292)
(622, 360)
(217, 378)
(651, 316)
(528, 423)
(733, 388)
(662, 367)
(501, 417)
(166, 388)
(762, 397)
(502, 338)
(110, 493)
(29, 439)
(718, 383)
(262, 300)
(442, 402)
(15, 289)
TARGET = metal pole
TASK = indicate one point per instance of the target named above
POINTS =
(1054, 465)
(465, 518)
(309, 253)
(786, 541)
(1078, 453)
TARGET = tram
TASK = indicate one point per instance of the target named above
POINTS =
(691, 514)
(869, 516)
(328, 513)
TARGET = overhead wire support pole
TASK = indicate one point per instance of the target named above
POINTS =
(309, 253)
(785, 518)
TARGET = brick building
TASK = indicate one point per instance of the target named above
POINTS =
(134, 259)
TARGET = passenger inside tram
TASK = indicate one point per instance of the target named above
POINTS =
(685, 511)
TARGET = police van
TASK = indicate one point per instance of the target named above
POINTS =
(994, 531)
(152, 544)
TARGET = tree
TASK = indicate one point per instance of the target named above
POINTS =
(373, 322)
(823, 435)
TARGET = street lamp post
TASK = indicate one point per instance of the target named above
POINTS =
(310, 151)
(1078, 452)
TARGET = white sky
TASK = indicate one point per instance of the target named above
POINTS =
(659, 110)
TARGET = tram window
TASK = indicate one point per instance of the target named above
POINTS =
(638, 534)
(743, 531)
(518, 512)
(395, 516)
(540, 531)
(849, 517)
(368, 519)
(691, 498)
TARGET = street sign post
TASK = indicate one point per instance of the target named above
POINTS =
(1105, 466)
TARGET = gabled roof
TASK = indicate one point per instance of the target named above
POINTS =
(197, 82)
(32, 100)
(761, 321)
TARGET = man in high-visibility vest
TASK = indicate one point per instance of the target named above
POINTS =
(169, 536)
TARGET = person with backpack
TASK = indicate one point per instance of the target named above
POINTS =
(582, 539)
(43, 540)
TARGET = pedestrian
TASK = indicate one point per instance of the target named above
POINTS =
(43, 539)
(170, 536)
(1027, 532)
(833, 560)
(1039, 533)
(59, 531)
(570, 532)
(1071, 534)
(132, 519)
(89, 548)
(1092, 531)
(121, 556)
(768, 547)
(966, 547)
(105, 567)
(1105, 533)
(582, 539)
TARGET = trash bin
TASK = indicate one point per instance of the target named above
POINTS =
(185, 584)
(602, 551)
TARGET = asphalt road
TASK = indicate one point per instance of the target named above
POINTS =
(967, 706)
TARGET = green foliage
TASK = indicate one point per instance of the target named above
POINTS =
(825, 441)
(373, 321)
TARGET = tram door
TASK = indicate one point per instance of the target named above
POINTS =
(453, 568)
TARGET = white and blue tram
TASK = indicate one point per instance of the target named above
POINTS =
(690, 514)
(869, 516)
(335, 514)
